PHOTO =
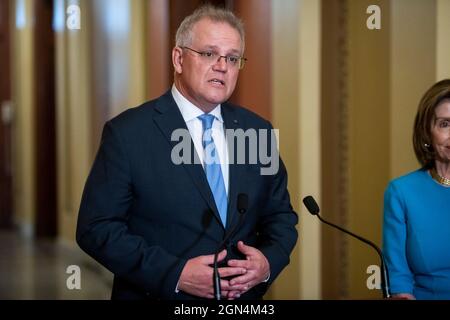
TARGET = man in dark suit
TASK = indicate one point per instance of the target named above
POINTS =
(155, 221)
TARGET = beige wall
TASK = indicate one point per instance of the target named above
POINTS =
(310, 157)
(285, 115)
(389, 70)
(73, 114)
(368, 134)
(23, 125)
(296, 113)
(413, 71)
(124, 82)
(443, 39)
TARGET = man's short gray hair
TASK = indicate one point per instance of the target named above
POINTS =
(184, 34)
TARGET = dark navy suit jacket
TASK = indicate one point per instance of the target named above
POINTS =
(143, 217)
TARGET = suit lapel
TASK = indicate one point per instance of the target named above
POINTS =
(168, 120)
(233, 122)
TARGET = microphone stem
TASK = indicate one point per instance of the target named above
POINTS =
(384, 273)
(216, 280)
(216, 276)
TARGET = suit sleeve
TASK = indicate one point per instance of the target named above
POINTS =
(278, 233)
(102, 230)
(394, 241)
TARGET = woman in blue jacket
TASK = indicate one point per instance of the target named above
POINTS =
(416, 229)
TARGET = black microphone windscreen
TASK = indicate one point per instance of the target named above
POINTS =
(311, 205)
(242, 202)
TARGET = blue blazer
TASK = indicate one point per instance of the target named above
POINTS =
(142, 216)
(416, 236)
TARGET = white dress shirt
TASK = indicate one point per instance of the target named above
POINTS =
(190, 115)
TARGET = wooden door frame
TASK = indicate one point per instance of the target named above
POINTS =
(45, 120)
(6, 199)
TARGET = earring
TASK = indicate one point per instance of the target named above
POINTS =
(426, 145)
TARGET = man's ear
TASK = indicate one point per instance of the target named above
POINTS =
(177, 59)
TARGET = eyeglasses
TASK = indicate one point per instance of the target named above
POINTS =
(213, 57)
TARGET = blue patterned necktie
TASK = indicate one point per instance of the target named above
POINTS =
(212, 167)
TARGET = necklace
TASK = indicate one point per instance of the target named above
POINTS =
(440, 179)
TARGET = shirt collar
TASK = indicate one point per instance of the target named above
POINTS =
(188, 110)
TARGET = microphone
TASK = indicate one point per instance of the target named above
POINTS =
(242, 205)
(314, 209)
